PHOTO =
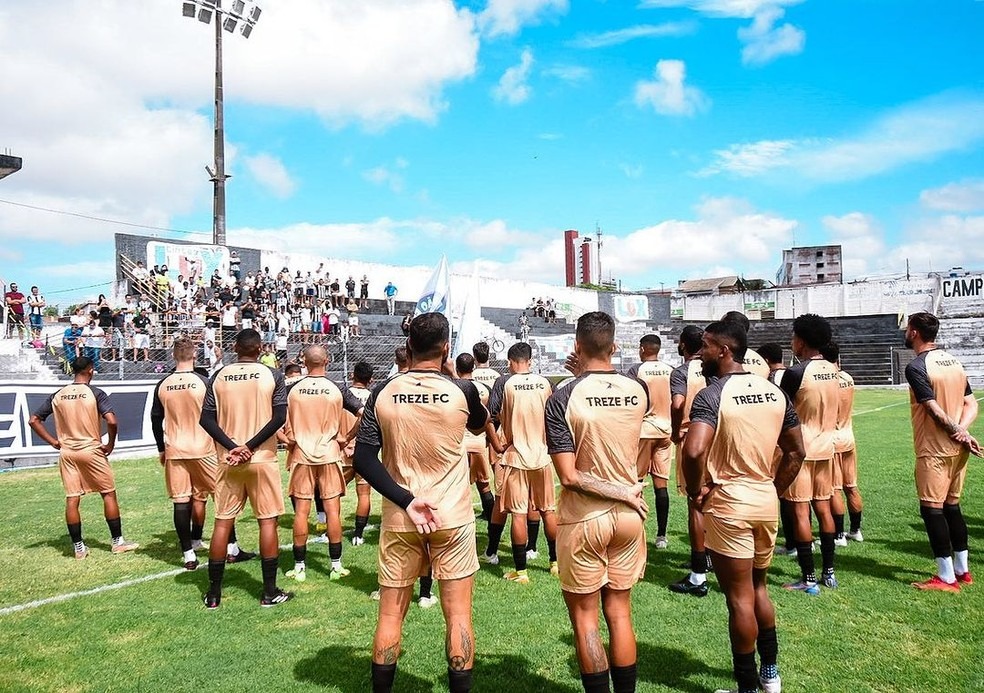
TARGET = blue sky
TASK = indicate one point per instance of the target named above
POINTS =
(703, 136)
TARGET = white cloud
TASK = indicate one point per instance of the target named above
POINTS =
(388, 175)
(632, 170)
(512, 87)
(965, 196)
(668, 94)
(765, 41)
(572, 74)
(740, 9)
(550, 136)
(270, 172)
(619, 36)
(917, 132)
(508, 17)
(862, 242)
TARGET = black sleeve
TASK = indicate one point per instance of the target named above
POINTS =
(633, 371)
(496, 397)
(157, 418)
(706, 405)
(365, 461)
(478, 415)
(46, 410)
(918, 379)
(678, 381)
(210, 422)
(560, 438)
(102, 401)
(968, 391)
(792, 379)
(350, 402)
(369, 431)
(790, 420)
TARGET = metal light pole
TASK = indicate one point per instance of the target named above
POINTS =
(204, 10)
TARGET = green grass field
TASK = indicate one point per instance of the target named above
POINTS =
(875, 633)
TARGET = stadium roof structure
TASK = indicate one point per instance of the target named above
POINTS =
(722, 285)
(9, 164)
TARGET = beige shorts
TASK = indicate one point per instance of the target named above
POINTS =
(348, 473)
(480, 471)
(85, 471)
(845, 470)
(259, 483)
(813, 482)
(654, 457)
(519, 490)
(736, 538)
(606, 550)
(305, 478)
(193, 478)
(939, 478)
(450, 554)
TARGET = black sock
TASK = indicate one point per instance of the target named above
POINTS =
(595, 683)
(197, 531)
(319, 505)
(938, 531)
(216, 569)
(300, 553)
(495, 538)
(788, 517)
(804, 555)
(519, 556)
(269, 568)
(958, 526)
(182, 524)
(624, 678)
(335, 551)
(827, 550)
(232, 535)
(855, 521)
(488, 502)
(115, 527)
(745, 673)
(75, 532)
(293, 504)
(382, 677)
(698, 561)
(839, 524)
(532, 534)
(360, 525)
(552, 549)
(426, 584)
(459, 681)
(662, 513)
(768, 649)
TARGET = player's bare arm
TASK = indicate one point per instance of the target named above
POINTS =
(38, 427)
(573, 479)
(111, 429)
(793, 453)
(676, 417)
(699, 439)
(953, 428)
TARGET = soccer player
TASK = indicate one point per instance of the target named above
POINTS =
(315, 438)
(83, 459)
(418, 419)
(526, 480)
(728, 462)
(593, 427)
(686, 381)
(845, 469)
(813, 387)
(772, 354)
(943, 408)
(362, 375)
(753, 362)
(186, 451)
(477, 446)
(654, 445)
(483, 373)
(245, 405)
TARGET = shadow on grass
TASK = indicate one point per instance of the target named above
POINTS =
(494, 673)
(239, 578)
(348, 669)
(673, 668)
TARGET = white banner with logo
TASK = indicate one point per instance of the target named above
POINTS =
(631, 308)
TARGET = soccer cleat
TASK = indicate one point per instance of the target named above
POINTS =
(369, 528)
(937, 583)
(965, 578)
(320, 528)
(427, 602)
(83, 552)
(770, 685)
(840, 540)
(685, 586)
(855, 536)
(783, 551)
(810, 588)
(532, 554)
(338, 573)
(123, 546)
(374, 595)
(491, 560)
(278, 597)
(517, 576)
(298, 574)
(358, 541)
(319, 539)
(829, 580)
(240, 557)
(212, 601)
(661, 542)
(198, 544)
(554, 569)
(191, 565)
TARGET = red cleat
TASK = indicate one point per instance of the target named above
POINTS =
(965, 578)
(937, 583)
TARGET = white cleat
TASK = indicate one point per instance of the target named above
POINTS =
(532, 555)
(855, 536)
(771, 685)
(661, 542)
(427, 602)
(491, 560)
(840, 540)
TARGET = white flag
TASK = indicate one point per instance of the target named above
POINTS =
(435, 298)
(469, 328)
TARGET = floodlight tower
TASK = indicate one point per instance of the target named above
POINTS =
(245, 14)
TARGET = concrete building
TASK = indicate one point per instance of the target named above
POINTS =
(9, 164)
(818, 264)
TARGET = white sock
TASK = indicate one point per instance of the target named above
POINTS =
(233, 549)
(299, 566)
(336, 564)
(322, 518)
(118, 540)
(698, 578)
(960, 562)
(189, 556)
(944, 566)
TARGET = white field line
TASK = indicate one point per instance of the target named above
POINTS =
(889, 406)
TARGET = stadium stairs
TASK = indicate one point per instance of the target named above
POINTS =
(963, 338)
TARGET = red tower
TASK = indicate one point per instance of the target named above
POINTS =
(570, 257)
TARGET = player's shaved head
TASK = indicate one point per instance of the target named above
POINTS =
(520, 352)
(315, 356)
(650, 344)
(465, 363)
(595, 334)
(400, 357)
(429, 335)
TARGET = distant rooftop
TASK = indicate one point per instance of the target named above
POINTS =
(9, 164)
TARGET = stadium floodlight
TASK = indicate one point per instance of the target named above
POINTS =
(244, 13)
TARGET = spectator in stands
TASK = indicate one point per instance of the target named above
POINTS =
(141, 274)
(333, 322)
(216, 281)
(300, 285)
(163, 289)
(79, 318)
(268, 358)
(364, 292)
(141, 334)
(234, 264)
(351, 306)
(247, 315)
(118, 335)
(70, 343)
(15, 300)
(35, 306)
(213, 356)
(93, 339)
(269, 324)
(230, 318)
(524, 328)
(390, 292)
(350, 288)
(353, 324)
(335, 290)
(282, 346)
(283, 320)
(405, 325)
